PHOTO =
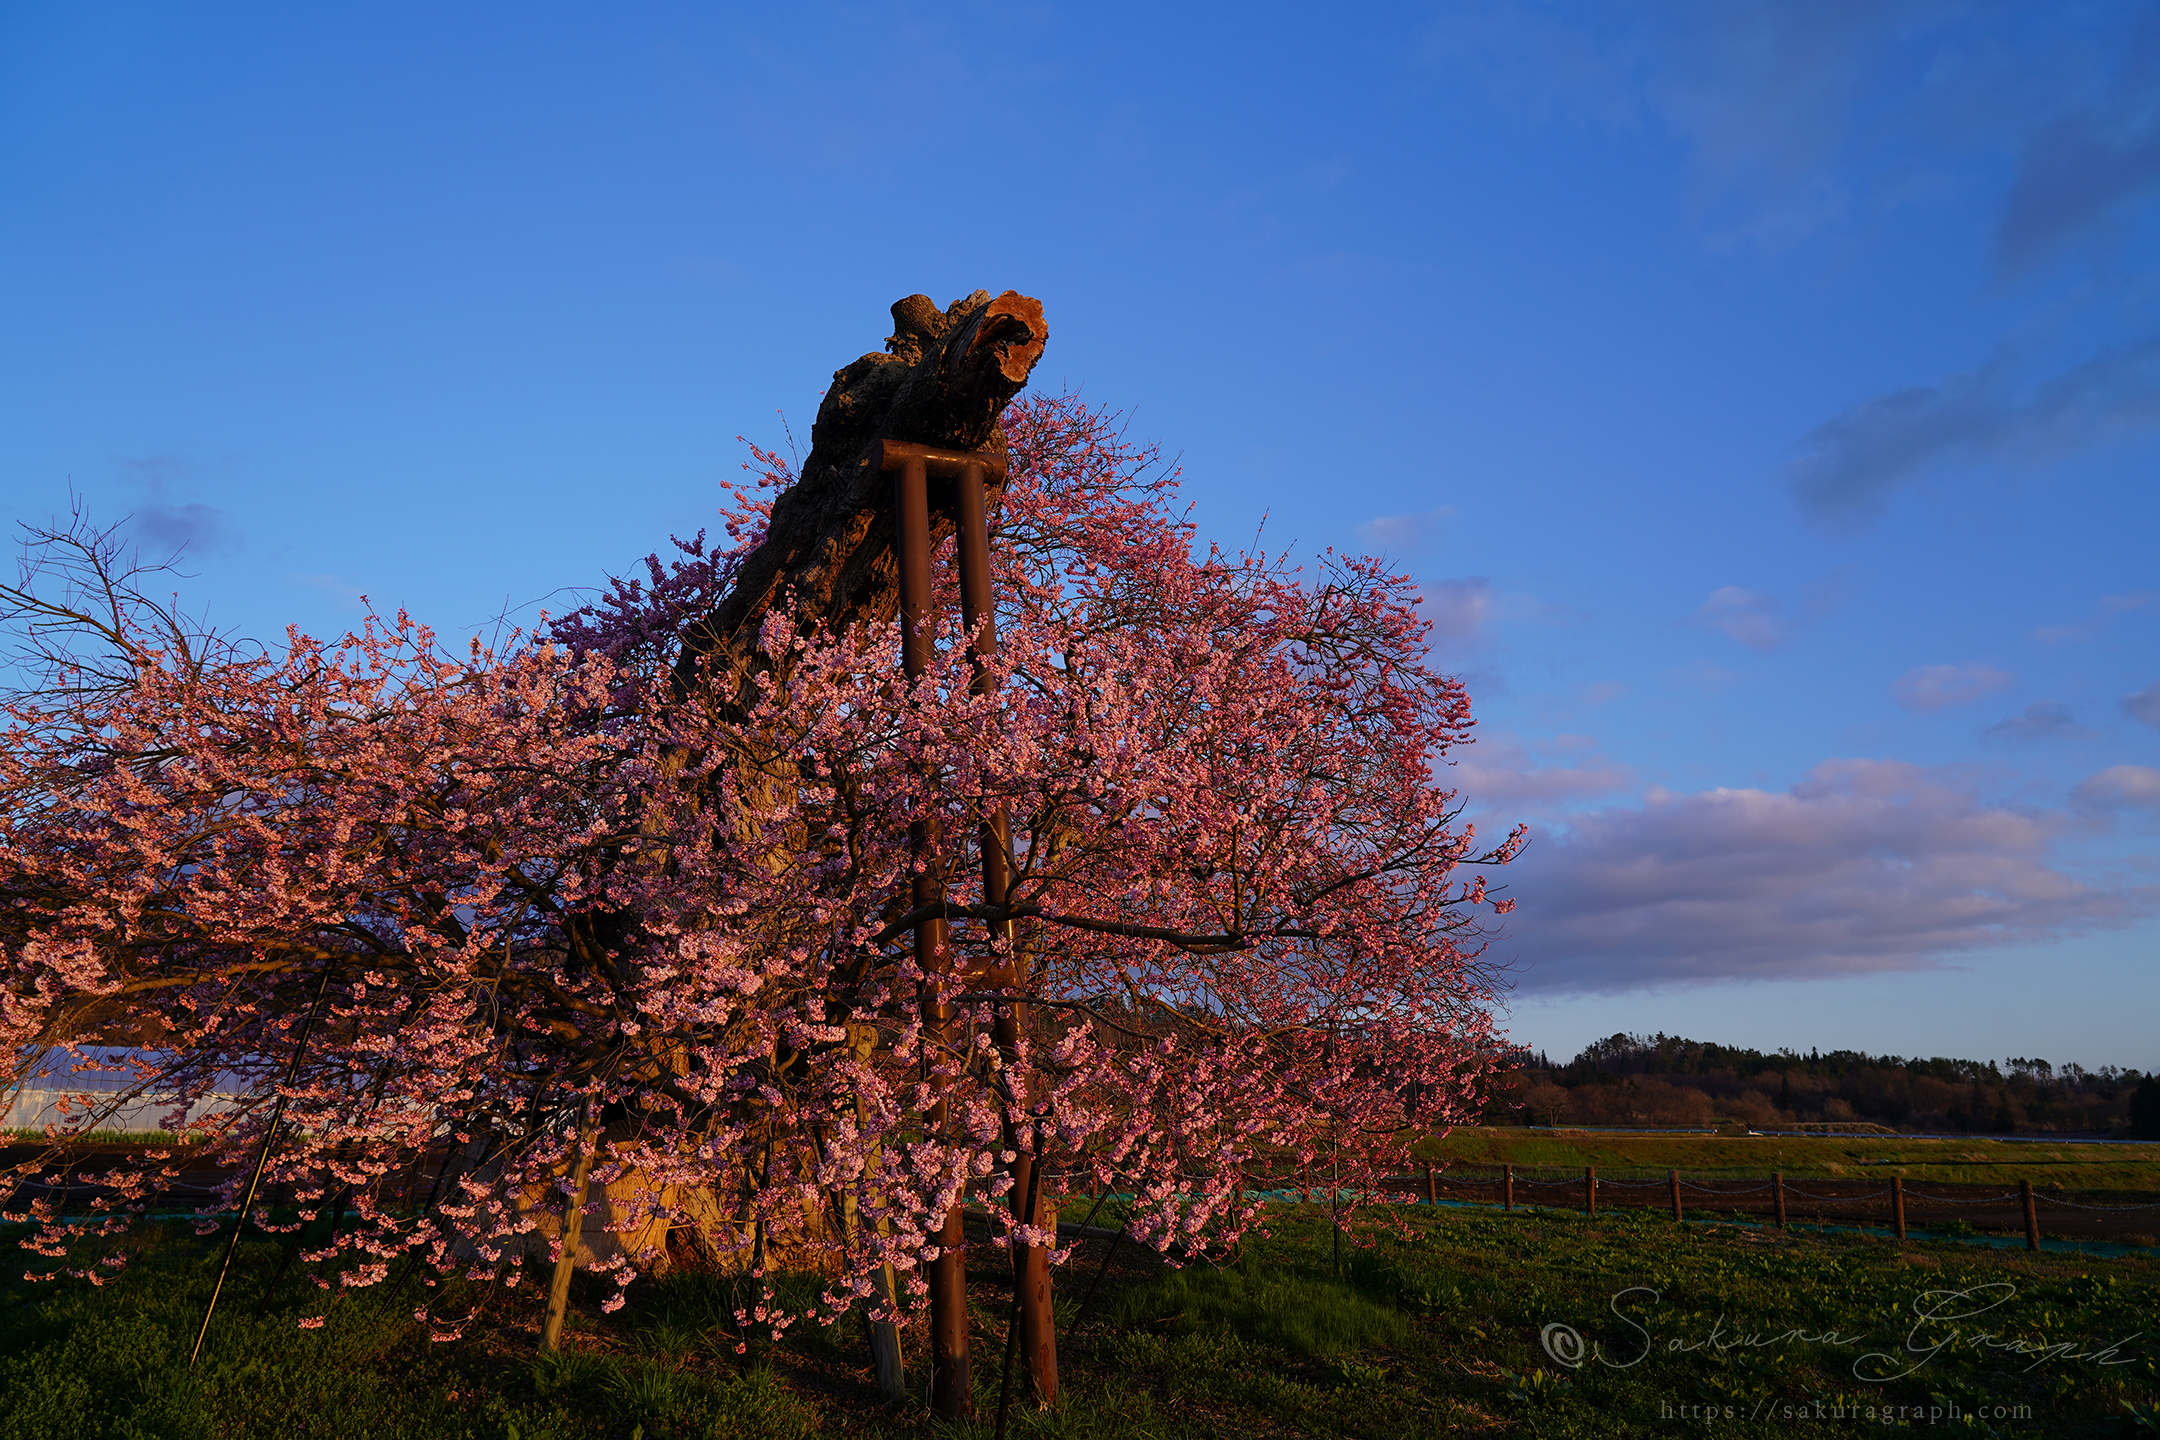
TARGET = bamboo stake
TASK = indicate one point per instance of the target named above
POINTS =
(262, 1159)
(1334, 1204)
(1100, 1270)
(1012, 1319)
(451, 1151)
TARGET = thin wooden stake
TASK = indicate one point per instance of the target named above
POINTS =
(1777, 1195)
(1081, 1313)
(1012, 1319)
(262, 1158)
(2032, 1216)
(1334, 1210)
(442, 1172)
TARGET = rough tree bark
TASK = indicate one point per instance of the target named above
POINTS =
(943, 379)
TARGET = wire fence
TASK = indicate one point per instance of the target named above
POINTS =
(1898, 1205)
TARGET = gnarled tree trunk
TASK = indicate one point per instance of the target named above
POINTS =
(943, 379)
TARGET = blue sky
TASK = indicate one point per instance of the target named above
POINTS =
(1766, 397)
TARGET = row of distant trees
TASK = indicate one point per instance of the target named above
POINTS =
(1666, 1080)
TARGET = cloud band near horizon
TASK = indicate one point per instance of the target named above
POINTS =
(1865, 866)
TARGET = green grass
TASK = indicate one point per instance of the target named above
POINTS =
(95, 1362)
(1431, 1325)
(2134, 1169)
(1437, 1330)
(1266, 1305)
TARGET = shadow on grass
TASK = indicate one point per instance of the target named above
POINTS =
(1266, 1305)
(1432, 1326)
(83, 1362)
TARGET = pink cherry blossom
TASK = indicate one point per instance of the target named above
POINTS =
(538, 874)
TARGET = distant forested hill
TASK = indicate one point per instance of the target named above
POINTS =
(1666, 1080)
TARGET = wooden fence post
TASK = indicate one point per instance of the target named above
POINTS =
(1897, 1204)
(1507, 1187)
(2032, 1216)
(1589, 1186)
(1777, 1195)
(1675, 1177)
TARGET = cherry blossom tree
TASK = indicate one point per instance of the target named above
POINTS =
(564, 911)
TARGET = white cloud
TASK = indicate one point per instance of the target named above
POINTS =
(1505, 775)
(1850, 464)
(2145, 705)
(2041, 720)
(2104, 614)
(2079, 169)
(1797, 119)
(167, 528)
(1458, 609)
(1929, 688)
(1867, 865)
(1747, 616)
(2121, 787)
(1401, 534)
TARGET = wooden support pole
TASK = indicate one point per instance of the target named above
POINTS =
(1897, 1205)
(1777, 1195)
(1675, 1177)
(1507, 1187)
(2032, 1215)
(952, 1393)
(1031, 1263)
(1589, 1190)
(1432, 1193)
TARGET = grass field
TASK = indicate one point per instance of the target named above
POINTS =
(2125, 1169)
(1433, 1324)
